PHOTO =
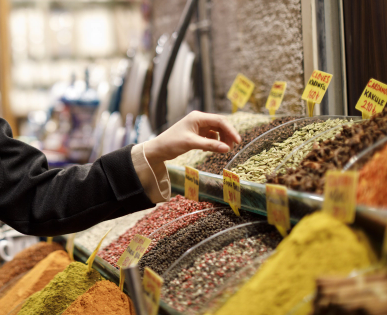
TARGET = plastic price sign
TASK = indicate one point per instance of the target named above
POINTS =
(240, 91)
(277, 206)
(70, 245)
(340, 194)
(276, 96)
(191, 184)
(134, 251)
(90, 260)
(232, 190)
(373, 99)
(152, 284)
(316, 89)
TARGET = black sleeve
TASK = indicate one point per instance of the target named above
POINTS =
(42, 202)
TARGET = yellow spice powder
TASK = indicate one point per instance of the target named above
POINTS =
(318, 245)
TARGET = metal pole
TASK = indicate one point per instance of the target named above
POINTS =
(134, 286)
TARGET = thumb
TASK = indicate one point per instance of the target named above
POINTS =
(206, 144)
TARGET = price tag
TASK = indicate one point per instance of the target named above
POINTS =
(134, 251)
(373, 98)
(70, 245)
(232, 190)
(384, 248)
(49, 239)
(90, 260)
(152, 283)
(240, 91)
(316, 89)
(278, 207)
(340, 194)
(191, 184)
(276, 96)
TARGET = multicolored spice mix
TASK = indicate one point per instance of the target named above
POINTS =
(371, 190)
(216, 162)
(193, 286)
(333, 154)
(164, 214)
(170, 248)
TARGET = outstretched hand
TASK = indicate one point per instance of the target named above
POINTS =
(197, 130)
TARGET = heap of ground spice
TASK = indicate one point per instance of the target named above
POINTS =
(63, 290)
(318, 245)
(371, 190)
(332, 155)
(25, 260)
(164, 214)
(216, 162)
(104, 297)
(35, 280)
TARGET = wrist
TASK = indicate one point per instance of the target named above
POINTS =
(153, 153)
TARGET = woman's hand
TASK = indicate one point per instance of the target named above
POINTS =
(197, 130)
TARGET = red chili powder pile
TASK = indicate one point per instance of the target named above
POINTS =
(371, 190)
(104, 297)
(26, 260)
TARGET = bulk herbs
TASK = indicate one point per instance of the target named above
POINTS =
(193, 286)
(216, 162)
(333, 154)
(164, 214)
(168, 249)
(61, 291)
(256, 167)
(318, 245)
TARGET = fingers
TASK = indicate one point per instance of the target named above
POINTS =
(217, 123)
(206, 144)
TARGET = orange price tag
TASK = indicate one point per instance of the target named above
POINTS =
(191, 184)
(240, 91)
(276, 96)
(278, 207)
(232, 190)
(340, 194)
(152, 283)
(373, 98)
(134, 251)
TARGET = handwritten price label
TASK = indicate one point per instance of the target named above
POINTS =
(373, 98)
(191, 184)
(340, 195)
(232, 190)
(152, 283)
(278, 207)
(317, 86)
(134, 251)
(276, 96)
(240, 91)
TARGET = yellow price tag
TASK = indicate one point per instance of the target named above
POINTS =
(49, 239)
(191, 184)
(340, 194)
(277, 206)
(240, 91)
(152, 283)
(316, 89)
(373, 98)
(276, 96)
(134, 251)
(384, 248)
(91, 258)
(232, 190)
(70, 245)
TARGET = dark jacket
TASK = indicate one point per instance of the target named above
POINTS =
(38, 201)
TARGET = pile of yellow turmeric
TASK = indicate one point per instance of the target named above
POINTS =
(318, 245)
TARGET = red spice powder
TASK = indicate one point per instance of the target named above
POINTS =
(371, 190)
